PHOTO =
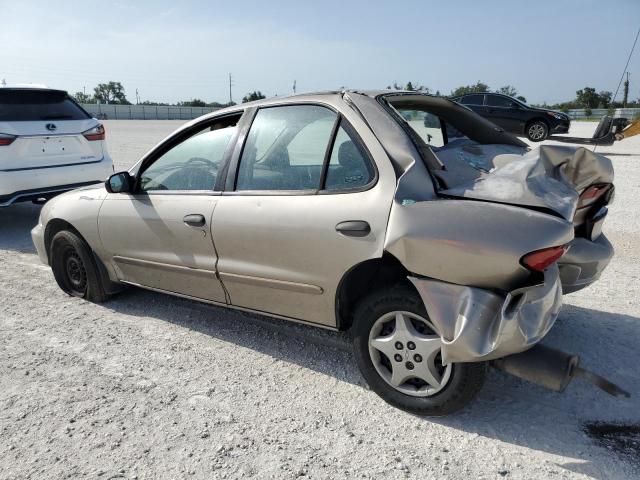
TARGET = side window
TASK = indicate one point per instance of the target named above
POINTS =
(497, 101)
(285, 148)
(190, 165)
(475, 99)
(349, 166)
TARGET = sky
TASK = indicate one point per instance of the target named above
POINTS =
(178, 50)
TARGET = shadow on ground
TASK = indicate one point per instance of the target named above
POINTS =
(507, 409)
(16, 222)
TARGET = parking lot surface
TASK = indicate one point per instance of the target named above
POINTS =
(150, 386)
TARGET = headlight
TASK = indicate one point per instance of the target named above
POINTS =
(557, 116)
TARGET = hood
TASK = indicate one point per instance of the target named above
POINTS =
(549, 177)
(548, 110)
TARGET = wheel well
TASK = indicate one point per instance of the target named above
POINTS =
(57, 225)
(54, 226)
(364, 278)
(536, 119)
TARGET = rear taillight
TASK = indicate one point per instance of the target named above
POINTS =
(6, 139)
(591, 195)
(541, 259)
(96, 133)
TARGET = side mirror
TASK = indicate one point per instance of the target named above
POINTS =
(120, 182)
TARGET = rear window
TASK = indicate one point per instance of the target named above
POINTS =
(29, 105)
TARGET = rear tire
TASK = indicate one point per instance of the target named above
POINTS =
(537, 131)
(457, 384)
(74, 267)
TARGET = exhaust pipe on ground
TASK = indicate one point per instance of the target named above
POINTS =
(553, 369)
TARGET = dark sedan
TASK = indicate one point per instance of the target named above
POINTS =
(515, 116)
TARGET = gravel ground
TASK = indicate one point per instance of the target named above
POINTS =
(151, 386)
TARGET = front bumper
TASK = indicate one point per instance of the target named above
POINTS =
(479, 325)
(584, 262)
(37, 235)
(562, 127)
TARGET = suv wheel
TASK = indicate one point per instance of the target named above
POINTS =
(537, 131)
(74, 268)
(398, 351)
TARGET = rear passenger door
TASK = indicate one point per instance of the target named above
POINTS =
(302, 205)
(475, 101)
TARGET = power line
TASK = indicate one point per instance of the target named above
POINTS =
(627, 64)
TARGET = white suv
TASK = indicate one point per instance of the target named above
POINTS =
(48, 145)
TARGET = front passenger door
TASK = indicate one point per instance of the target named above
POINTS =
(160, 235)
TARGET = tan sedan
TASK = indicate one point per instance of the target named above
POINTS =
(440, 241)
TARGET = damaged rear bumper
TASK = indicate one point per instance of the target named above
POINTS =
(479, 325)
(584, 262)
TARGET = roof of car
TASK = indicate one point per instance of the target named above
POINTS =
(26, 87)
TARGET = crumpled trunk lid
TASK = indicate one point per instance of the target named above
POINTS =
(550, 177)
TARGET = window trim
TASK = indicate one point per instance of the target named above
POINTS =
(177, 139)
(233, 170)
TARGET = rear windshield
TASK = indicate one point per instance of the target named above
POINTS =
(29, 105)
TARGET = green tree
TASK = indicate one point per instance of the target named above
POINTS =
(522, 99)
(587, 98)
(508, 90)
(410, 87)
(252, 96)
(111, 92)
(479, 87)
(196, 102)
(82, 97)
(604, 99)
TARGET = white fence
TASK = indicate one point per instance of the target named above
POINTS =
(145, 112)
(172, 112)
(600, 112)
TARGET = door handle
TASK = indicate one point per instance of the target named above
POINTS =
(194, 220)
(354, 228)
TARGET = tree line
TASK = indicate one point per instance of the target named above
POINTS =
(587, 97)
(114, 93)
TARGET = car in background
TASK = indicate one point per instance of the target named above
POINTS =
(515, 116)
(48, 145)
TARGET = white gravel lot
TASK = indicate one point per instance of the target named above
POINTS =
(150, 386)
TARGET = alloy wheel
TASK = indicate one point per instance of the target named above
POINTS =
(536, 131)
(406, 352)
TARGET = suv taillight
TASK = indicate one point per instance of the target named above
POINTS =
(591, 194)
(6, 139)
(96, 133)
(541, 259)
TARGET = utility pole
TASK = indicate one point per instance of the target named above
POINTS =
(230, 84)
(4, 82)
(625, 91)
(294, 87)
(137, 97)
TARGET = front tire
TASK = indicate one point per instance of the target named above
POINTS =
(398, 351)
(537, 131)
(74, 267)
